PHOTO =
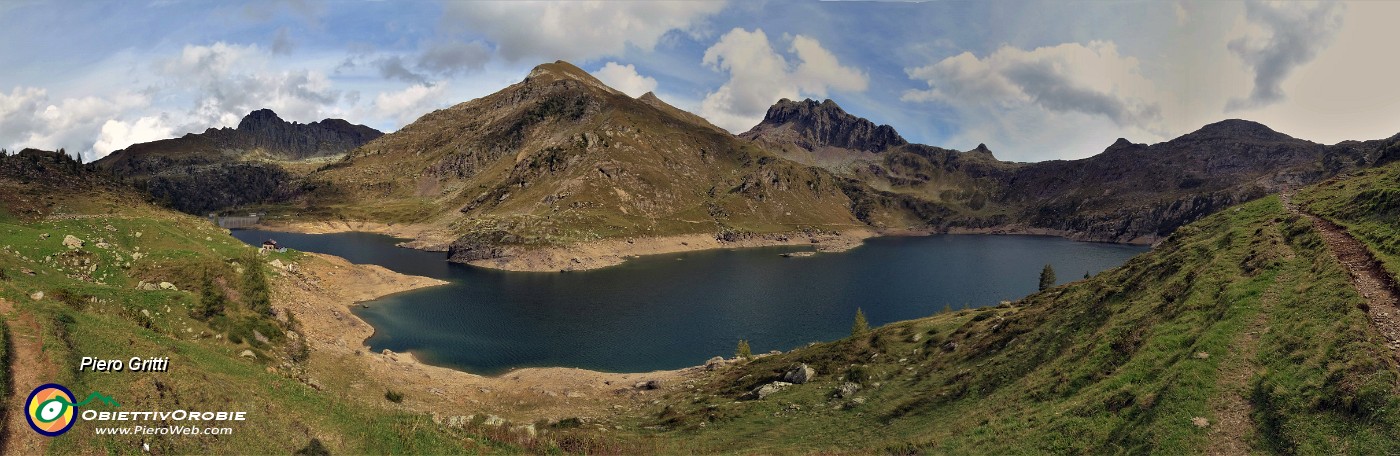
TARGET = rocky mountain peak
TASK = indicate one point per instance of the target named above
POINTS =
(565, 71)
(1236, 129)
(825, 124)
(981, 149)
(260, 120)
(650, 99)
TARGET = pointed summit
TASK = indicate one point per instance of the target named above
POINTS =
(814, 125)
(650, 99)
(260, 120)
(565, 71)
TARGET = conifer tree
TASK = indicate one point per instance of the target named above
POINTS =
(861, 327)
(211, 298)
(1047, 277)
(743, 350)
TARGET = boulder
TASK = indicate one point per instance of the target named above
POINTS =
(648, 385)
(37, 296)
(247, 354)
(72, 242)
(715, 363)
(260, 337)
(765, 390)
(799, 374)
(493, 420)
(168, 286)
(846, 390)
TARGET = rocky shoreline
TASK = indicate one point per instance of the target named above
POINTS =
(611, 252)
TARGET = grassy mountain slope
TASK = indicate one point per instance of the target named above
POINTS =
(91, 305)
(560, 158)
(1240, 332)
(1368, 205)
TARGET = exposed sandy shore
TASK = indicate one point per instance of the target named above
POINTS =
(320, 289)
(421, 237)
(610, 252)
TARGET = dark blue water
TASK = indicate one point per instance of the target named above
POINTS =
(671, 311)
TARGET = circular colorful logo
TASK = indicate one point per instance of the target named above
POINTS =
(50, 409)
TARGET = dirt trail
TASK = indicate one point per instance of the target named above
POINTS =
(1367, 275)
(28, 368)
(1234, 427)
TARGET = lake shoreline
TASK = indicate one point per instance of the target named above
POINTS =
(323, 289)
(605, 253)
(612, 252)
(486, 322)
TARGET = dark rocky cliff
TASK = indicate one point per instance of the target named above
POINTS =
(810, 124)
(263, 129)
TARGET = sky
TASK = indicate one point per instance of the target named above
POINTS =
(1032, 80)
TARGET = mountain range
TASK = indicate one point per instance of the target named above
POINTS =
(229, 167)
(560, 159)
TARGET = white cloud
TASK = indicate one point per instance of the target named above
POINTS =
(18, 113)
(233, 80)
(1071, 77)
(1014, 97)
(406, 105)
(580, 30)
(1284, 37)
(116, 134)
(760, 76)
(30, 119)
(625, 78)
(1347, 92)
(820, 71)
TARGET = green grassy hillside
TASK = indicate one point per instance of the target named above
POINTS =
(1240, 332)
(1368, 205)
(91, 305)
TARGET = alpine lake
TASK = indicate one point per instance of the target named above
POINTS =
(677, 310)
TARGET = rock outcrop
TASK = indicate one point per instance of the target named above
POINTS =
(767, 389)
(264, 130)
(811, 125)
(799, 374)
